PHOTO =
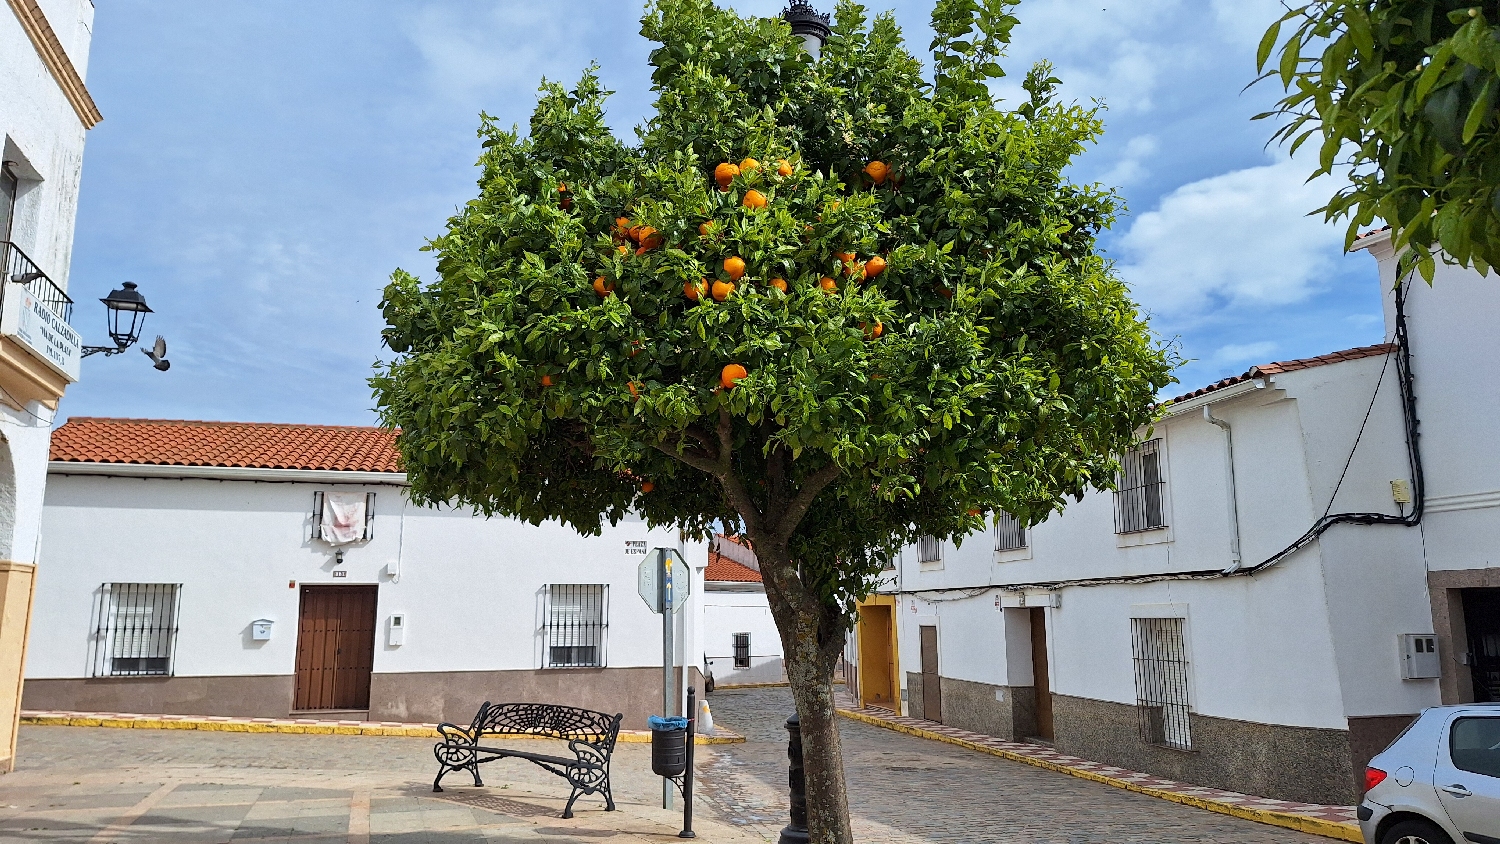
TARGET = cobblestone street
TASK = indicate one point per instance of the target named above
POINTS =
(906, 790)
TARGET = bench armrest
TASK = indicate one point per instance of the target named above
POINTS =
(454, 734)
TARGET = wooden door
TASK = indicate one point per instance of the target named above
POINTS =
(1041, 679)
(877, 676)
(335, 647)
(932, 689)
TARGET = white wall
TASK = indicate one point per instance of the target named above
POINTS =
(469, 587)
(726, 613)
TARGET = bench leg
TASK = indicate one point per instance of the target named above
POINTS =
(609, 798)
(477, 781)
(437, 788)
(568, 810)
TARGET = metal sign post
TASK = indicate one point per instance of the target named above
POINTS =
(665, 583)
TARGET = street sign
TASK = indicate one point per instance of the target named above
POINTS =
(649, 572)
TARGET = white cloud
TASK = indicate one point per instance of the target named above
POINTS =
(1240, 239)
(1239, 353)
(1131, 168)
(509, 46)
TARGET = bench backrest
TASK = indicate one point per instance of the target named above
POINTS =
(546, 719)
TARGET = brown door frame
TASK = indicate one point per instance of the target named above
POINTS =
(335, 647)
(1041, 679)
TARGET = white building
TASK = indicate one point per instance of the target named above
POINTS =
(1144, 628)
(186, 574)
(741, 646)
(45, 109)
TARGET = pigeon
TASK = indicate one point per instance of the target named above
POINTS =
(158, 354)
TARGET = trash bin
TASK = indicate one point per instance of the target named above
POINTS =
(668, 745)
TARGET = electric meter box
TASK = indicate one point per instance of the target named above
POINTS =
(395, 632)
(1419, 657)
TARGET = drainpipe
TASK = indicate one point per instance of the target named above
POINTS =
(1234, 507)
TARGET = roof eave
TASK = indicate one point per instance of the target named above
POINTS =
(225, 473)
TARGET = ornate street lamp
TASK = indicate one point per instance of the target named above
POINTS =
(808, 24)
(126, 311)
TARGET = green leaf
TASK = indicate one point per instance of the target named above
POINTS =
(1479, 113)
(1267, 44)
(1291, 54)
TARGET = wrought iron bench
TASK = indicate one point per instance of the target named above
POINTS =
(590, 736)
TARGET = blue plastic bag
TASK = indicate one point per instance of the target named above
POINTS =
(669, 724)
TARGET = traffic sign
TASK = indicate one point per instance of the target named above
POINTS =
(648, 579)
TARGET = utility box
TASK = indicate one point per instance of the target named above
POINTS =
(260, 630)
(1419, 657)
(395, 631)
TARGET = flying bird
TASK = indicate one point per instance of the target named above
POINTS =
(158, 354)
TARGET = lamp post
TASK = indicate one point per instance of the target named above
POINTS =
(126, 311)
(808, 24)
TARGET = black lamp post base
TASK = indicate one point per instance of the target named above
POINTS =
(793, 835)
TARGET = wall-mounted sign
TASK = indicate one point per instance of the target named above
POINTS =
(42, 332)
(635, 547)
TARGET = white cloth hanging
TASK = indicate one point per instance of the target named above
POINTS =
(343, 518)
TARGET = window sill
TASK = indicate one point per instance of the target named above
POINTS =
(1154, 536)
(1012, 555)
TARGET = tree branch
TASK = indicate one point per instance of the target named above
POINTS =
(726, 438)
(703, 462)
(815, 483)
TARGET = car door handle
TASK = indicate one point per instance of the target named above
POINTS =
(1456, 790)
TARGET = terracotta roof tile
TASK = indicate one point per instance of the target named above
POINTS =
(721, 569)
(257, 445)
(1267, 369)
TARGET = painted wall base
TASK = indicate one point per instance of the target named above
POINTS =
(425, 697)
(1268, 760)
(16, 581)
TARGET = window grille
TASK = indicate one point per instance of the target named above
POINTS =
(742, 650)
(1009, 535)
(136, 633)
(317, 516)
(575, 625)
(929, 550)
(1138, 497)
(1161, 681)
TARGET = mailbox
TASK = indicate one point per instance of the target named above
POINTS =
(260, 629)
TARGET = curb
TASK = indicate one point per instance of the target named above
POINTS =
(307, 728)
(1287, 820)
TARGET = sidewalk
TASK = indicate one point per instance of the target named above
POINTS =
(313, 726)
(1330, 821)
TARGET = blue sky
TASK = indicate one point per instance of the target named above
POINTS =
(262, 167)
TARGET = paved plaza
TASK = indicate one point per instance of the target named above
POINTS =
(82, 784)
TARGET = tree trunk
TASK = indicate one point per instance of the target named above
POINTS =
(812, 637)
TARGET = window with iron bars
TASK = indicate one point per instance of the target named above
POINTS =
(929, 550)
(576, 621)
(1161, 681)
(742, 650)
(1139, 490)
(136, 630)
(1009, 534)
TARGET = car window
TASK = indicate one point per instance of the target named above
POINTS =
(1474, 744)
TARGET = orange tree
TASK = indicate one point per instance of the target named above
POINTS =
(821, 302)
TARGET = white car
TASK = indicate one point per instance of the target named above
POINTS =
(1438, 782)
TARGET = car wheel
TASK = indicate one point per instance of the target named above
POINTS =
(1415, 832)
(708, 684)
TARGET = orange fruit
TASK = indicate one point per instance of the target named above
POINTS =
(828, 284)
(694, 289)
(724, 174)
(755, 200)
(603, 286)
(854, 269)
(945, 293)
(974, 512)
(783, 168)
(734, 267)
(647, 487)
(546, 380)
(707, 228)
(567, 203)
(873, 331)
(748, 164)
(877, 171)
(635, 347)
(634, 391)
(731, 374)
(622, 224)
(623, 249)
(874, 267)
(634, 233)
(779, 284)
(721, 290)
(649, 238)
(844, 257)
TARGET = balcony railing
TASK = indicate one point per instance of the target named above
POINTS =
(22, 270)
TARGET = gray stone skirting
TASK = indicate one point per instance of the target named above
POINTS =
(1303, 764)
(914, 701)
(411, 697)
(1007, 712)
